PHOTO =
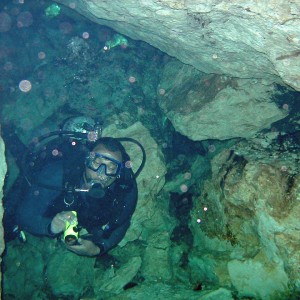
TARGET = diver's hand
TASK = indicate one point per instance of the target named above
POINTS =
(58, 223)
(84, 247)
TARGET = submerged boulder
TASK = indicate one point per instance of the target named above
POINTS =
(240, 39)
(245, 223)
(205, 107)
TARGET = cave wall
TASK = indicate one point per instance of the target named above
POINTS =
(246, 39)
(3, 169)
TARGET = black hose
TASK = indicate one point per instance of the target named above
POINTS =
(71, 134)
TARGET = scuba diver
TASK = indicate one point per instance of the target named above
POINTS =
(79, 186)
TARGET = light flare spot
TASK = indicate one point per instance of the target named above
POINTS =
(184, 188)
(284, 168)
(92, 136)
(211, 148)
(132, 79)
(128, 164)
(85, 35)
(54, 152)
(161, 91)
(25, 86)
(285, 106)
(41, 55)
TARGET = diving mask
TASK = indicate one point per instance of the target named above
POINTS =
(103, 165)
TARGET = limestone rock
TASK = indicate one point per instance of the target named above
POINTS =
(216, 107)
(158, 251)
(112, 282)
(252, 278)
(69, 274)
(24, 264)
(150, 181)
(246, 40)
(33, 108)
(3, 170)
(251, 222)
(165, 291)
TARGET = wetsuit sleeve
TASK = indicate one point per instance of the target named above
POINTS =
(32, 211)
(109, 237)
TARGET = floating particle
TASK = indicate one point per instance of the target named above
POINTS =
(65, 27)
(162, 91)
(165, 145)
(214, 56)
(15, 11)
(72, 5)
(128, 164)
(26, 124)
(25, 86)
(55, 152)
(205, 208)
(41, 55)
(24, 19)
(43, 155)
(92, 136)
(185, 200)
(5, 22)
(73, 143)
(49, 92)
(184, 188)
(187, 175)
(85, 35)
(131, 79)
(285, 106)
(283, 168)
(36, 193)
(198, 221)
(157, 176)
(8, 66)
(211, 148)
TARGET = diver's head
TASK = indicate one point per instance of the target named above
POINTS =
(104, 163)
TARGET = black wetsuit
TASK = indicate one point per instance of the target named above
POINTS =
(106, 219)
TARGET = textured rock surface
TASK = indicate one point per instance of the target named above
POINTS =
(171, 292)
(249, 221)
(68, 274)
(244, 277)
(112, 282)
(241, 39)
(216, 107)
(150, 182)
(2, 176)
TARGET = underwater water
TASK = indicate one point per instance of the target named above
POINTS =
(213, 217)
